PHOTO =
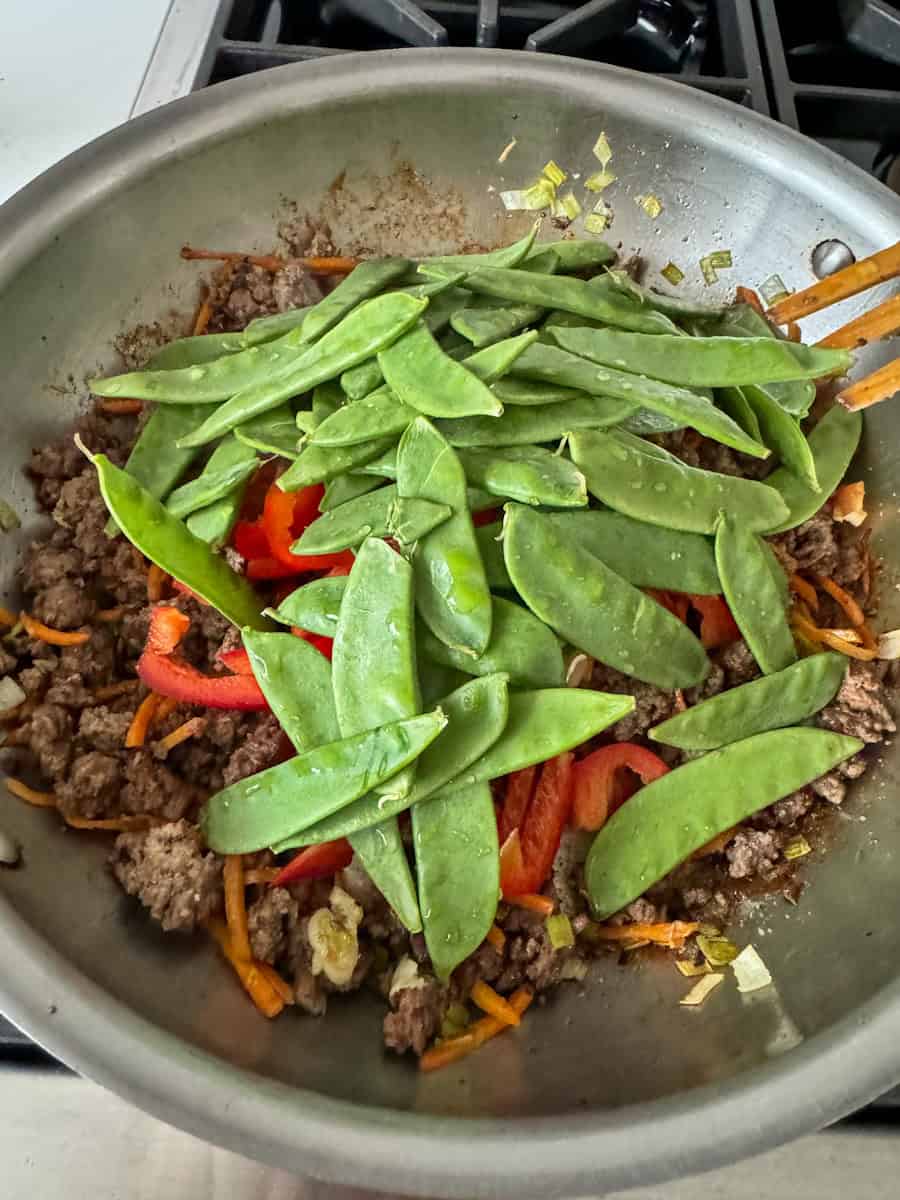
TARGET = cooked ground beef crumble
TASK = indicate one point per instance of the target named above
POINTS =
(72, 740)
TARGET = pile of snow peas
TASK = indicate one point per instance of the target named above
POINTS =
(419, 394)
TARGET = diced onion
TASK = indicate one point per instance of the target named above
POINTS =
(797, 847)
(579, 670)
(554, 173)
(700, 990)
(773, 290)
(566, 208)
(573, 968)
(9, 518)
(11, 695)
(672, 273)
(691, 969)
(718, 951)
(850, 503)
(540, 195)
(651, 205)
(750, 971)
(889, 645)
(603, 150)
(599, 180)
(559, 931)
(599, 218)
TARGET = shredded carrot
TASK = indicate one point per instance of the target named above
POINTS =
(453, 1049)
(828, 637)
(496, 937)
(29, 794)
(673, 934)
(745, 295)
(281, 986)
(849, 635)
(494, 1004)
(167, 706)
(236, 907)
(261, 875)
(156, 578)
(7, 617)
(331, 264)
(125, 824)
(257, 983)
(855, 614)
(109, 691)
(120, 407)
(533, 902)
(186, 730)
(323, 264)
(53, 637)
(141, 721)
(108, 616)
(204, 312)
(868, 637)
(805, 590)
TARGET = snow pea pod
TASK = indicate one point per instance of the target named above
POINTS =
(362, 333)
(525, 426)
(521, 647)
(313, 606)
(673, 306)
(274, 432)
(833, 443)
(306, 714)
(646, 423)
(574, 254)
(666, 821)
(319, 464)
(541, 724)
(526, 473)
(381, 851)
(384, 465)
(648, 556)
(458, 870)
(452, 594)
(492, 362)
(167, 542)
(484, 326)
(595, 609)
(788, 697)
(380, 414)
(528, 392)
(489, 543)
(782, 433)
(203, 348)
(504, 256)
(269, 806)
(643, 481)
(349, 524)
(210, 486)
(410, 519)
(422, 376)
(753, 595)
(741, 320)
(566, 293)
(214, 523)
(359, 381)
(347, 487)
(704, 362)
(734, 402)
(476, 716)
(365, 280)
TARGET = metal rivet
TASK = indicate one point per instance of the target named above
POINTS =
(831, 256)
(9, 851)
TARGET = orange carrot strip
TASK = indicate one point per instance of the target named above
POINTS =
(281, 986)
(53, 637)
(187, 729)
(140, 722)
(872, 389)
(7, 617)
(453, 1049)
(120, 407)
(496, 937)
(849, 635)
(328, 264)
(156, 578)
(167, 705)
(109, 616)
(236, 907)
(830, 638)
(315, 264)
(201, 321)
(745, 295)
(673, 934)
(856, 278)
(715, 845)
(29, 794)
(855, 614)
(125, 824)
(533, 902)
(878, 322)
(261, 875)
(868, 637)
(494, 1004)
(804, 589)
(256, 983)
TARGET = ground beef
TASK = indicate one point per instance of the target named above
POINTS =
(49, 734)
(64, 605)
(68, 690)
(104, 729)
(46, 564)
(698, 451)
(123, 573)
(80, 510)
(528, 956)
(260, 749)
(95, 661)
(304, 237)
(152, 788)
(752, 852)
(787, 812)
(859, 708)
(738, 664)
(812, 546)
(269, 919)
(169, 872)
(294, 287)
(310, 991)
(651, 704)
(415, 1017)
(92, 787)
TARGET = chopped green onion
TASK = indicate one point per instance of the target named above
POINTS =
(9, 518)
(540, 195)
(456, 1020)
(599, 218)
(672, 273)
(566, 208)
(701, 990)
(718, 951)
(554, 173)
(797, 847)
(709, 930)
(603, 150)
(599, 180)
(560, 932)
(690, 969)
(717, 261)
(773, 290)
(750, 971)
(650, 204)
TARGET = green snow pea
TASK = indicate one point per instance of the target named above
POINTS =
(359, 381)
(362, 333)
(492, 362)
(733, 401)
(458, 869)
(526, 473)
(575, 254)
(666, 821)
(313, 606)
(753, 595)
(327, 398)
(741, 320)
(525, 426)
(156, 461)
(476, 716)
(543, 261)
(365, 280)
(504, 256)
(347, 487)
(210, 486)
(319, 464)
(422, 376)
(782, 433)
(384, 465)
(833, 443)
(274, 432)
(643, 481)
(380, 850)
(306, 713)
(521, 647)
(349, 524)
(410, 519)
(595, 609)
(380, 414)
(704, 362)
(528, 392)
(167, 542)
(214, 523)
(673, 306)
(566, 293)
(203, 348)
(452, 595)
(484, 326)
(436, 681)
(646, 423)
(541, 724)
(788, 697)
(268, 807)
(648, 556)
(489, 539)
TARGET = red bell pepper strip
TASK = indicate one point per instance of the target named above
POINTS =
(717, 626)
(168, 625)
(527, 854)
(269, 568)
(605, 779)
(172, 676)
(285, 516)
(678, 603)
(316, 862)
(519, 792)
(249, 539)
(237, 661)
(487, 516)
(324, 645)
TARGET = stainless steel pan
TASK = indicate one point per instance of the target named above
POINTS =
(604, 1087)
